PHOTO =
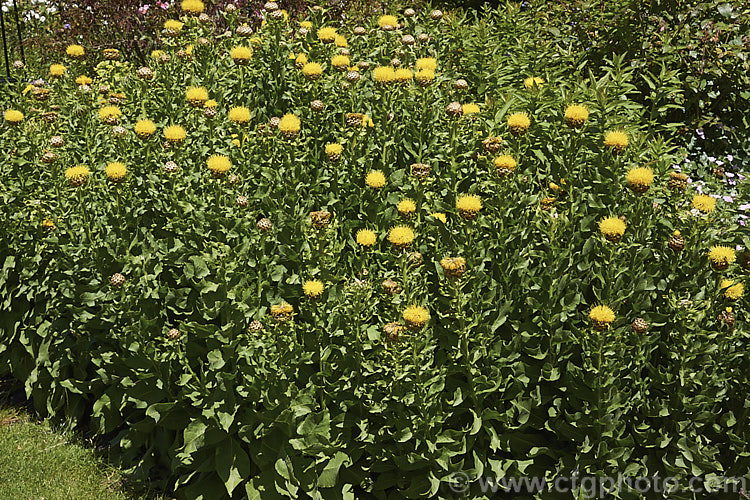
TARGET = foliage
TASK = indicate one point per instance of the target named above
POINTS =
(509, 377)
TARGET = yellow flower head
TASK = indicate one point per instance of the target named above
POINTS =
(289, 124)
(57, 70)
(384, 74)
(519, 123)
(334, 149)
(616, 140)
(375, 179)
(239, 114)
(327, 34)
(721, 256)
(13, 116)
(639, 179)
(470, 109)
(196, 96)
(175, 133)
(144, 128)
(241, 54)
(403, 75)
(192, 6)
(313, 288)
(301, 60)
(424, 76)
(77, 175)
(468, 206)
(173, 26)
(282, 312)
(505, 162)
(429, 63)
(110, 113)
(533, 82)
(48, 224)
(340, 41)
(576, 115)
(401, 236)
(312, 70)
(415, 316)
(219, 165)
(340, 61)
(612, 228)
(706, 204)
(387, 20)
(602, 317)
(84, 80)
(75, 51)
(211, 103)
(305, 24)
(733, 290)
(366, 237)
(406, 207)
(116, 171)
(439, 216)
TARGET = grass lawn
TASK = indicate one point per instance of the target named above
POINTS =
(37, 461)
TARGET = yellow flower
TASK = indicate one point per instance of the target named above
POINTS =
(219, 165)
(313, 288)
(602, 317)
(174, 133)
(429, 63)
(334, 149)
(192, 6)
(339, 61)
(384, 74)
(406, 207)
(239, 114)
(289, 124)
(327, 34)
(77, 175)
(172, 27)
(403, 75)
(732, 290)
(639, 179)
(340, 41)
(439, 216)
(116, 171)
(57, 70)
(453, 267)
(576, 115)
(505, 163)
(144, 128)
(240, 54)
(532, 82)
(706, 204)
(282, 312)
(366, 237)
(468, 206)
(305, 24)
(617, 140)
(401, 236)
(387, 21)
(48, 224)
(518, 123)
(424, 76)
(13, 116)
(84, 80)
(612, 228)
(375, 179)
(211, 103)
(470, 109)
(721, 257)
(415, 316)
(196, 96)
(312, 70)
(110, 114)
(301, 60)
(75, 51)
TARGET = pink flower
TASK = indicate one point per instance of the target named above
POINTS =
(143, 8)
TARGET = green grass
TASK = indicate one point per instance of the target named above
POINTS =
(37, 461)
